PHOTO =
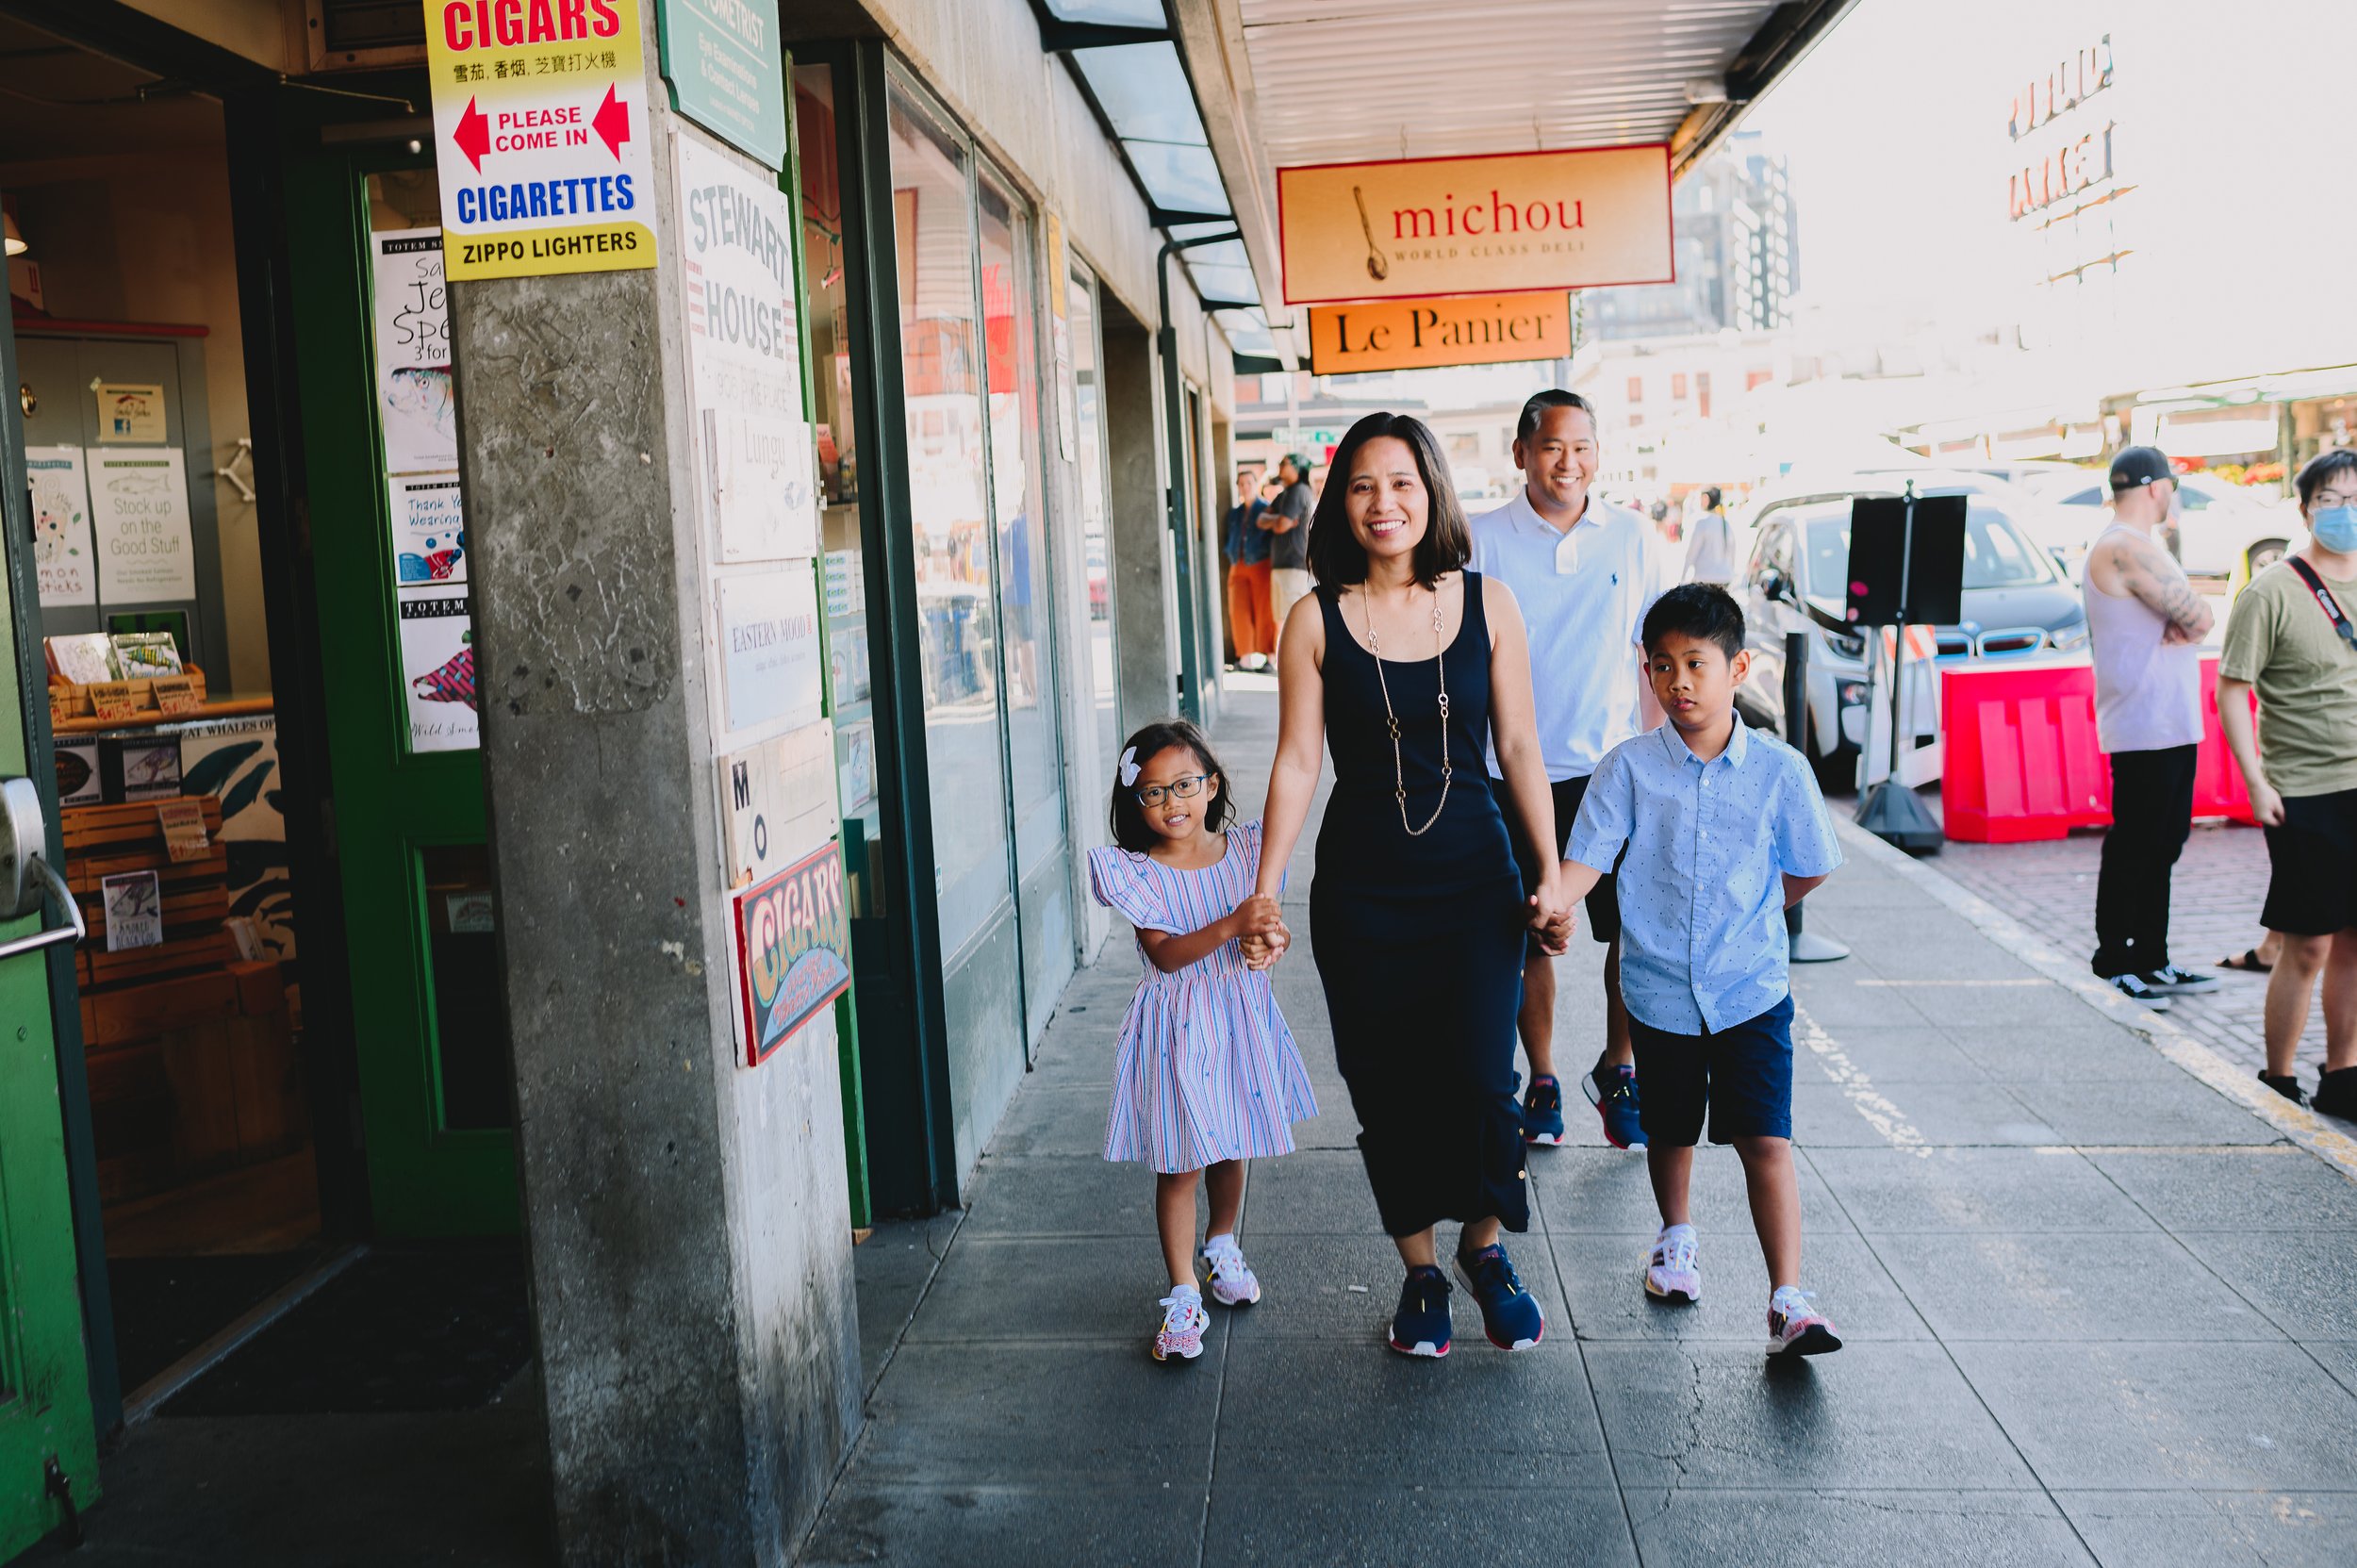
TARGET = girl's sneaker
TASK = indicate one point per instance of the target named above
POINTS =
(1184, 1322)
(1795, 1328)
(1422, 1325)
(1231, 1279)
(1671, 1271)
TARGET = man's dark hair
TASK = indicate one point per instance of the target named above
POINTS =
(1336, 558)
(1128, 818)
(1703, 611)
(1538, 403)
(1301, 465)
(2325, 465)
(1710, 498)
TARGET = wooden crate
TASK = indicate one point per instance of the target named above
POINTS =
(69, 701)
(102, 841)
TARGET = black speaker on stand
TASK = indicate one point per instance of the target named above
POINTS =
(1906, 568)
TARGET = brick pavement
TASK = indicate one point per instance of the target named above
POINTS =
(2219, 884)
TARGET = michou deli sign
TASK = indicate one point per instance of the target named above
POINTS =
(1506, 222)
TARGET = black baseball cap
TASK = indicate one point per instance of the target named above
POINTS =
(2138, 466)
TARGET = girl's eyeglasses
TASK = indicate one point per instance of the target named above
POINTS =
(1186, 788)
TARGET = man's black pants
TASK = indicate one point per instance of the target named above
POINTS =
(2152, 817)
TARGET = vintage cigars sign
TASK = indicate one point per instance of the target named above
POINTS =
(540, 135)
(1422, 334)
(1510, 222)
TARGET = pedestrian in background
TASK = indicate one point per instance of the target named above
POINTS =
(2145, 624)
(1251, 620)
(2290, 638)
(1583, 571)
(1711, 542)
(1718, 831)
(1287, 524)
(1208, 1076)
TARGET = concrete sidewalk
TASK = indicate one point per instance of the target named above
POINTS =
(2095, 1310)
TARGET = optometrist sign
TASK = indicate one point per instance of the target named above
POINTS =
(540, 135)
(1420, 335)
(1513, 222)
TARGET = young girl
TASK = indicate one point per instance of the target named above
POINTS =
(1207, 1075)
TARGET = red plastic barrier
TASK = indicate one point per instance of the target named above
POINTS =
(2023, 762)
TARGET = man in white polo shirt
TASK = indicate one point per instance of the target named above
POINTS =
(1584, 572)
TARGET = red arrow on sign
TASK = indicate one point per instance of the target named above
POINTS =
(612, 124)
(474, 135)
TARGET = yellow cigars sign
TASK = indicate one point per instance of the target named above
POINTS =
(1421, 335)
(1412, 229)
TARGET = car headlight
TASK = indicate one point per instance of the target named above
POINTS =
(2071, 636)
(1848, 646)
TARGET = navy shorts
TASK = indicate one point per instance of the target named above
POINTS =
(1742, 1074)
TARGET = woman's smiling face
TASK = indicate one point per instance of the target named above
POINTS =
(1385, 501)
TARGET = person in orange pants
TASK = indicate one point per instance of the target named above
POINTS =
(1251, 618)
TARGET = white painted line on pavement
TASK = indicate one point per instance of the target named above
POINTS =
(2297, 1123)
(1866, 1101)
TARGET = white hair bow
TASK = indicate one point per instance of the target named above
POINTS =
(1128, 768)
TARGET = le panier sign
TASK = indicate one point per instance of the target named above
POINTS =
(1420, 335)
(1512, 222)
(540, 134)
(793, 948)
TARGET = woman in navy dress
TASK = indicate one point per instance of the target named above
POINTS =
(1408, 666)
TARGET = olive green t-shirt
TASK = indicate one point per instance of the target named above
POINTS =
(2279, 638)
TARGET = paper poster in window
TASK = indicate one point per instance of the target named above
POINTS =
(438, 665)
(429, 530)
(413, 380)
(62, 552)
(138, 502)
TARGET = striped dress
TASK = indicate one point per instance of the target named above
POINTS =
(1208, 1071)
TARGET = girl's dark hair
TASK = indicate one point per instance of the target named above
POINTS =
(2329, 464)
(1128, 818)
(1336, 558)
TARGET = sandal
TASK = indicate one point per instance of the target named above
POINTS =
(2249, 962)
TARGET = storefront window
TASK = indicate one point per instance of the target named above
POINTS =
(941, 356)
(1088, 451)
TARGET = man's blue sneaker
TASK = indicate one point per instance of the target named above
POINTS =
(1510, 1315)
(1422, 1325)
(1542, 1112)
(1613, 1092)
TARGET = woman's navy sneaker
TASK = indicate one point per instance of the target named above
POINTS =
(1422, 1325)
(1510, 1315)
(1542, 1112)
(1613, 1092)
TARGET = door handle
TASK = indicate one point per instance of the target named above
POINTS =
(27, 882)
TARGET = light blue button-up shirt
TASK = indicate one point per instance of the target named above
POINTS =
(1583, 593)
(1702, 944)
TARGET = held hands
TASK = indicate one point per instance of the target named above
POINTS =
(1552, 919)
(1261, 931)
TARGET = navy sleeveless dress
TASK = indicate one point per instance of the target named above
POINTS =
(1419, 940)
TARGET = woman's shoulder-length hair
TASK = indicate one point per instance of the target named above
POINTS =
(1336, 558)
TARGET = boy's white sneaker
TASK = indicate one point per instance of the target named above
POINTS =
(1184, 1322)
(1796, 1328)
(1671, 1271)
(1231, 1279)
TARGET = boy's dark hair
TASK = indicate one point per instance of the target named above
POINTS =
(1535, 407)
(1128, 818)
(1336, 558)
(1710, 498)
(1703, 611)
(2327, 465)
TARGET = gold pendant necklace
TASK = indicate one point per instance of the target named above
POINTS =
(1391, 719)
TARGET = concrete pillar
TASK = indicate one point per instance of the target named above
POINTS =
(687, 1215)
(1138, 527)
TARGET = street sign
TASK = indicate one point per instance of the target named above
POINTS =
(727, 71)
(1416, 228)
(540, 135)
(1473, 329)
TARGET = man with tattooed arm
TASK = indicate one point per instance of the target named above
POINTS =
(2147, 625)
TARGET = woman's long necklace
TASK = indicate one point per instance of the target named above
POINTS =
(1391, 719)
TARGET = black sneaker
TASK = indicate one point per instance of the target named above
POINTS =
(2170, 981)
(2287, 1085)
(2137, 989)
(2336, 1093)
(1422, 1325)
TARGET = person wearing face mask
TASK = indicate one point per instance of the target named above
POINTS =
(2290, 638)
(2147, 625)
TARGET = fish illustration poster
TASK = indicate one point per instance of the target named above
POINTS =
(62, 552)
(413, 380)
(437, 669)
(429, 530)
(138, 504)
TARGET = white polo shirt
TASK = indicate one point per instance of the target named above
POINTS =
(1583, 594)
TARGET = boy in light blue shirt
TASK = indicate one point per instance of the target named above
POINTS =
(1723, 829)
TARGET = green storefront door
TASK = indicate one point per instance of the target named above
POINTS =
(388, 562)
(45, 1380)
